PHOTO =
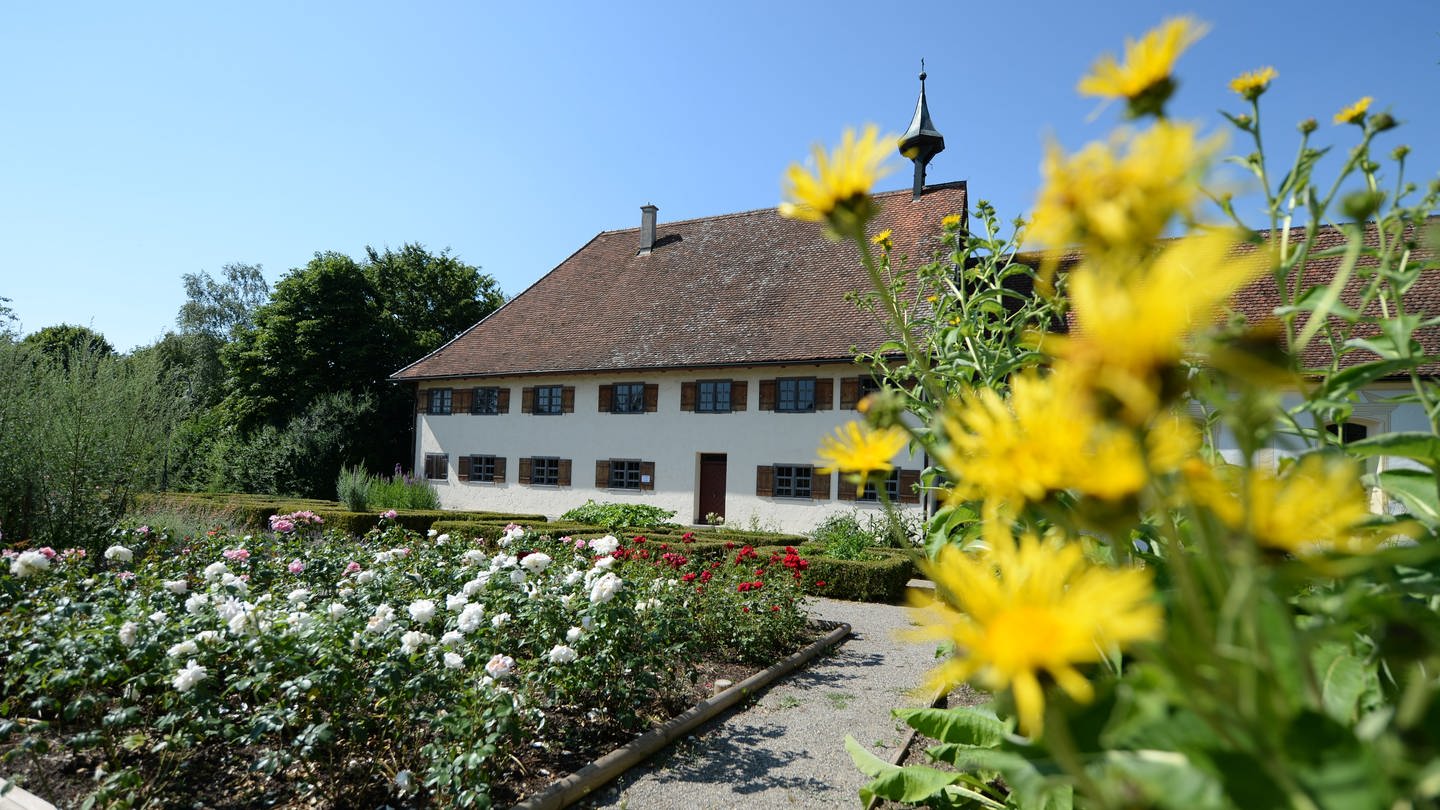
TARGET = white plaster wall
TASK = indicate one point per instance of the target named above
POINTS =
(670, 437)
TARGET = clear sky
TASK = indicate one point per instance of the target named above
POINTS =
(141, 141)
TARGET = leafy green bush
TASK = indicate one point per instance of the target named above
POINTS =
(880, 579)
(618, 515)
(353, 488)
(402, 491)
(841, 537)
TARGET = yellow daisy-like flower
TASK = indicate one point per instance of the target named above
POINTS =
(1132, 324)
(1117, 198)
(1250, 85)
(1311, 508)
(883, 239)
(1144, 78)
(1034, 608)
(1355, 113)
(951, 221)
(861, 450)
(837, 191)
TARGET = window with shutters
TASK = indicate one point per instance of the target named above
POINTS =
(437, 466)
(793, 480)
(892, 489)
(545, 471)
(485, 400)
(795, 394)
(624, 474)
(712, 396)
(482, 469)
(439, 401)
(627, 398)
(549, 399)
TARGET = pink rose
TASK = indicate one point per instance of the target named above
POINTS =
(296, 566)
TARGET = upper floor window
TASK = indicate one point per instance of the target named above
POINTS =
(795, 394)
(793, 481)
(549, 399)
(485, 400)
(712, 396)
(439, 401)
(627, 398)
(437, 466)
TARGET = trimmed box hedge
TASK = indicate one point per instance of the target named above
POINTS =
(879, 580)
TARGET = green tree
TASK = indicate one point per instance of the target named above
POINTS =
(216, 308)
(59, 343)
(427, 299)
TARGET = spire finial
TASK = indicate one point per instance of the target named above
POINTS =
(922, 141)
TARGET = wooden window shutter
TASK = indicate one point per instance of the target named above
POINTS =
(849, 394)
(739, 391)
(464, 468)
(525, 465)
(567, 399)
(499, 469)
(602, 474)
(504, 400)
(765, 482)
(820, 485)
(647, 471)
(846, 490)
(527, 400)
(909, 486)
(825, 395)
(607, 397)
(565, 464)
(422, 400)
(687, 396)
(767, 395)
(652, 397)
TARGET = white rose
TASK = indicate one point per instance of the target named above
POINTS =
(158, 617)
(190, 675)
(470, 618)
(215, 570)
(500, 619)
(195, 602)
(604, 563)
(456, 602)
(365, 577)
(604, 545)
(128, 632)
(299, 596)
(442, 539)
(573, 635)
(186, 647)
(454, 660)
(560, 654)
(413, 640)
(119, 554)
(500, 666)
(422, 610)
(451, 638)
(337, 610)
(517, 577)
(177, 586)
(536, 563)
(574, 576)
(383, 617)
(29, 562)
(604, 589)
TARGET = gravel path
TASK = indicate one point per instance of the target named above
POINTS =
(786, 748)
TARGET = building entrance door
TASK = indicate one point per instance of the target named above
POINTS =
(712, 486)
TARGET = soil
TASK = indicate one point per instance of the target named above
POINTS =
(220, 776)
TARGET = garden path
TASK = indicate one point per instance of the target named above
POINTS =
(785, 749)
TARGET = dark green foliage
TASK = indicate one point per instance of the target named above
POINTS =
(875, 580)
(617, 515)
(301, 458)
(59, 343)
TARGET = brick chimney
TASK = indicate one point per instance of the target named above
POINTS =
(647, 228)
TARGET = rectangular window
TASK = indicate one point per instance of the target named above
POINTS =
(549, 399)
(437, 466)
(439, 401)
(482, 468)
(793, 481)
(713, 396)
(624, 474)
(795, 394)
(485, 401)
(628, 398)
(892, 489)
(545, 471)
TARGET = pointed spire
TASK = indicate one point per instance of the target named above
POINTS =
(922, 141)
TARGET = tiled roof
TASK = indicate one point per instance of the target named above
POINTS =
(737, 289)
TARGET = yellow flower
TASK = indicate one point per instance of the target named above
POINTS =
(1251, 85)
(837, 191)
(1119, 197)
(1134, 323)
(864, 451)
(1144, 79)
(1355, 113)
(1311, 508)
(951, 221)
(1032, 608)
(883, 239)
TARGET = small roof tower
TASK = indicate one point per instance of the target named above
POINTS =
(922, 141)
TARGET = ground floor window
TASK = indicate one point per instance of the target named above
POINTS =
(793, 480)
(437, 466)
(545, 471)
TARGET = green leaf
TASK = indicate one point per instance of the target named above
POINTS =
(1165, 779)
(1414, 488)
(1421, 446)
(1345, 382)
(1336, 770)
(1309, 301)
(911, 784)
(959, 725)
(869, 764)
(1342, 680)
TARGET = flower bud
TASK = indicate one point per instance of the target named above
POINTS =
(1308, 126)
(1400, 152)
(1361, 205)
(1382, 121)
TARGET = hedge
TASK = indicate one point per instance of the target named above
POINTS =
(254, 511)
(882, 580)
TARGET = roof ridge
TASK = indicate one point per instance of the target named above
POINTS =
(773, 208)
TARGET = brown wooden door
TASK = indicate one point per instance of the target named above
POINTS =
(712, 485)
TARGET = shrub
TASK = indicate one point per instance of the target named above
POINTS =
(618, 515)
(841, 537)
(353, 488)
(882, 577)
(402, 491)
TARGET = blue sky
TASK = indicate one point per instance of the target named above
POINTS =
(143, 141)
